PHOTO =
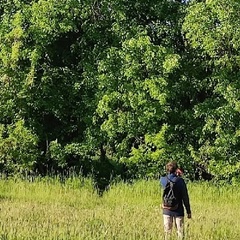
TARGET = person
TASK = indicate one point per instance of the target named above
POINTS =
(175, 216)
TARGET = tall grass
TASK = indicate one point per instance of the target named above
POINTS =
(49, 209)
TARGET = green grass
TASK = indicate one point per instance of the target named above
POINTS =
(48, 209)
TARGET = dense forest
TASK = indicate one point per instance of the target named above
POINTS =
(118, 88)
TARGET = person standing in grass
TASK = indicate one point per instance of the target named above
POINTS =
(174, 213)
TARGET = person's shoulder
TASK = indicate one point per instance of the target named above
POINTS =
(163, 178)
(180, 180)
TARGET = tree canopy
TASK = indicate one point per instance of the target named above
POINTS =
(120, 87)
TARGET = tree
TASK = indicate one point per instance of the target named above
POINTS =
(212, 30)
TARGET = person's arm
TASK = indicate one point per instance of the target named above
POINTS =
(186, 201)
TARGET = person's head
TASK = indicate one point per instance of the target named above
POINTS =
(171, 167)
(179, 172)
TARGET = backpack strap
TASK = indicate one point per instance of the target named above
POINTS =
(176, 179)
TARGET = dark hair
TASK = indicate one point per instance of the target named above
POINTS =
(171, 167)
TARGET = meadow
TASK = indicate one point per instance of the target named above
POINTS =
(46, 208)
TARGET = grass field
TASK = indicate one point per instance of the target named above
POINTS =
(48, 209)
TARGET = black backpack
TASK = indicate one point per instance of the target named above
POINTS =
(170, 195)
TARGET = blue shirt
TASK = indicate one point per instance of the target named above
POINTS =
(183, 195)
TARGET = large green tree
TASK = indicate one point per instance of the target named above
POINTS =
(212, 30)
(96, 85)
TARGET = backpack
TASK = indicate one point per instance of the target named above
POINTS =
(170, 193)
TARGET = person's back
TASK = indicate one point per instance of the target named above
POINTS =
(181, 194)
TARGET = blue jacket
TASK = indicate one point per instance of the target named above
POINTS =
(183, 195)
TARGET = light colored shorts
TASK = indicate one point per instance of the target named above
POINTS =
(168, 225)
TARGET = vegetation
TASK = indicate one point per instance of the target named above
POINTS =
(113, 90)
(119, 87)
(48, 209)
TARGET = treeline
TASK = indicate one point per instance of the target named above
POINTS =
(120, 87)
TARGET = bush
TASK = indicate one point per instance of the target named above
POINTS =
(18, 148)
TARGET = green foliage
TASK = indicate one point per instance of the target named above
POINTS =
(18, 148)
(121, 82)
(150, 156)
(212, 29)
